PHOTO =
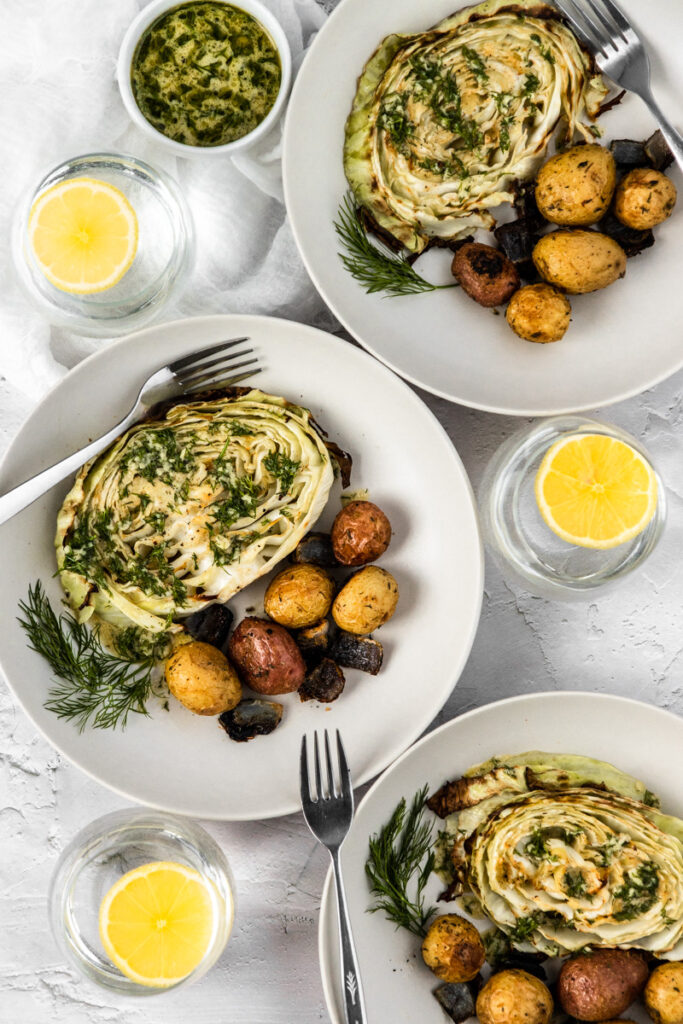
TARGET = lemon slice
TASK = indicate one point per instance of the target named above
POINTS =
(84, 235)
(595, 491)
(157, 922)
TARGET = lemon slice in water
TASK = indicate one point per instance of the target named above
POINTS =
(157, 923)
(84, 235)
(595, 491)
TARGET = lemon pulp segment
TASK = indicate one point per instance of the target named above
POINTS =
(84, 235)
(595, 491)
(157, 923)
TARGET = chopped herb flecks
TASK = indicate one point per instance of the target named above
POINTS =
(283, 469)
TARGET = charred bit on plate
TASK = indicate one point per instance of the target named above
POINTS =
(251, 717)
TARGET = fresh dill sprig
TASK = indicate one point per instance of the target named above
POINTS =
(376, 269)
(400, 861)
(95, 687)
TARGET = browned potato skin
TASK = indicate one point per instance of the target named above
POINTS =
(202, 678)
(485, 273)
(602, 984)
(360, 533)
(266, 656)
(664, 994)
(453, 949)
(644, 198)
(539, 312)
(514, 997)
(366, 601)
(575, 187)
(579, 261)
(299, 596)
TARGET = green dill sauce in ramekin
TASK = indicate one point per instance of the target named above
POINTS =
(205, 73)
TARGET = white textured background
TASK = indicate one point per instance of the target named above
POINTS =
(628, 641)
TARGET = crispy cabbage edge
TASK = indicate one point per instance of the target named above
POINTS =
(119, 606)
(498, 797)
(358, 140)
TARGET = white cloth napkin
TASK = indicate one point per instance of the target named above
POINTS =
(59, 99)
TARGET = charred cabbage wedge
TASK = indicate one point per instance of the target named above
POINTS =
(189, 508)
(565, 852)
(444, 121)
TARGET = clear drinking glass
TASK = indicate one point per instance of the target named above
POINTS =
(522, 542)
(100, 855)
(164, 252)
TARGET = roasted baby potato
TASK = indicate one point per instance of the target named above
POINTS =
(366, 601)
(485, 273)
(538, 312)
(453, 949)
(644, 198)
(664, 994)
(266, 656)
(579, 261)
(575, 187)
(299, 596)
(601, 984)
(360, 533)
(514, 997)
(202, 679)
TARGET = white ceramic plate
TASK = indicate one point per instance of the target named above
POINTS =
(639, 738)
(181, 762)
(621, 341)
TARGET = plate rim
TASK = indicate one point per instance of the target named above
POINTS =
(499, 410)
(423, 721)
(327, 899)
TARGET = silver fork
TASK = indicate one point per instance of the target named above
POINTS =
(620, 53)
(329, 815)
(190, 373)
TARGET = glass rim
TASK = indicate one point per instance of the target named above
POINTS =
(95, 317)
(529, 572)
(82, 850)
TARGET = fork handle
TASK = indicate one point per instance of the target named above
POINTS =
(674, 138)
(25, 494)
(354, 1004)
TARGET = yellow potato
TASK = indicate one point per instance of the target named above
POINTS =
(579, 261)
(644, 198)
(514, 997)
(202, 679)
(576, 186)
(538, 312)
(299, 596)
(664, 994)
(453, 949)
(366, 601)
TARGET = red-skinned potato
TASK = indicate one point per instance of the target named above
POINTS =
(360, 533)
(266, 656)
(602, 984)
(484, 273)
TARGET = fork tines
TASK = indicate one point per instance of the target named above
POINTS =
(198, 371)
(335, 788)
(599, 22)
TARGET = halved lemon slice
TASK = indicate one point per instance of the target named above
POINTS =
(84, 235)
(595, 491)
(157, 922)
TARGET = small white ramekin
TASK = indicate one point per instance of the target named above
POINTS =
(136, 30)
